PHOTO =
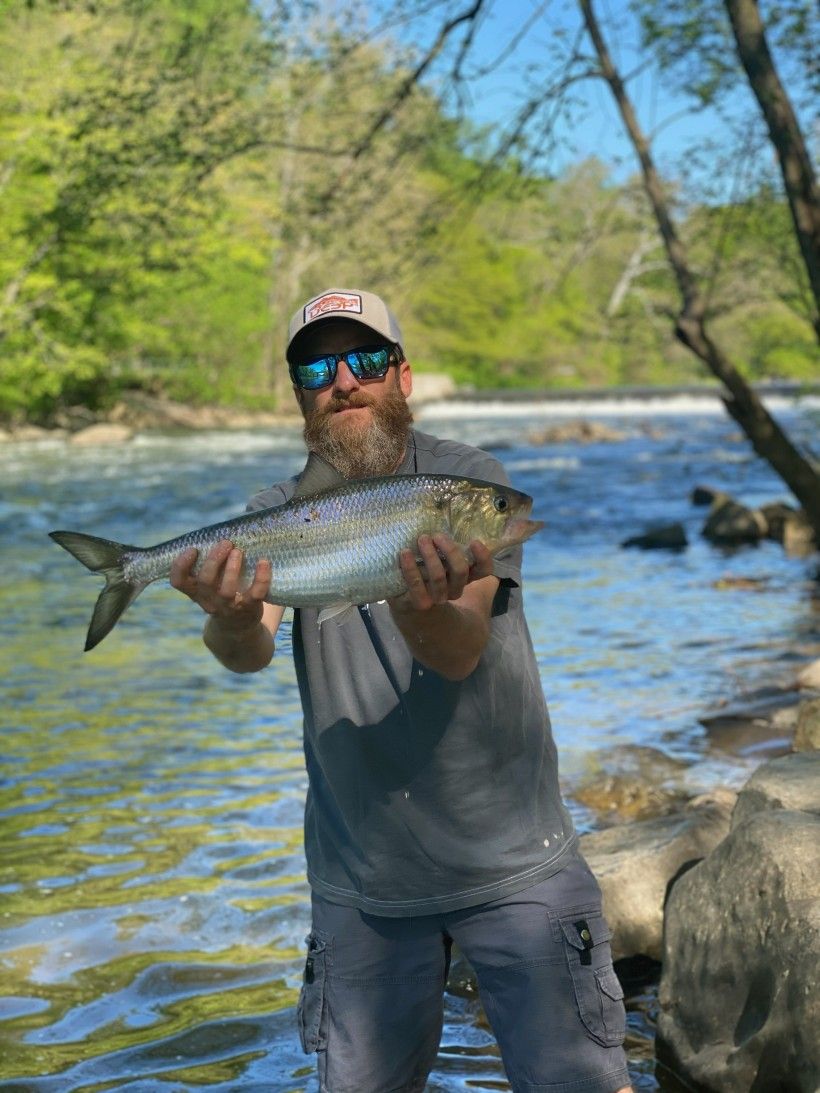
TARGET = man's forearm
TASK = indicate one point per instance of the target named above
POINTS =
(447, 638)
(245, 650)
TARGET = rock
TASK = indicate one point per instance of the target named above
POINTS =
(705, 495)
(632, 782)
(746, 584)
(635, 862)
(31, 432)
(809, 677)
(5, 436)
(776, 514)
(759, 724)
(730, 523)
(431, 387)
(580, 432)
(807, 733)
(798, 536)
(791, 782)
(660, 537)
(103, 433)
(739, 997)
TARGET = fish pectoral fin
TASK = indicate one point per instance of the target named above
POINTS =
(318, 475)
(334, 611)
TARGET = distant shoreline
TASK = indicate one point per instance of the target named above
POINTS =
(647, 392)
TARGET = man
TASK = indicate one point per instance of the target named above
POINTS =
(433, 812)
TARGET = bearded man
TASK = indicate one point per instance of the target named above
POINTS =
(433, 812)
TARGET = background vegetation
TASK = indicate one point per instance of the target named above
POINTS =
(175, 178)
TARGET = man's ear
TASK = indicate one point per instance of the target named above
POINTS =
(405, 379)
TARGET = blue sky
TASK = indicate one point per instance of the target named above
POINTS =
(595, 127)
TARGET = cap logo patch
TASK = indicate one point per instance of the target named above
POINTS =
(333, 301)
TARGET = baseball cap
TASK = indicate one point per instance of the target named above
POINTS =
(344, 303)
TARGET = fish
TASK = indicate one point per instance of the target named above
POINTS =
(335, 544)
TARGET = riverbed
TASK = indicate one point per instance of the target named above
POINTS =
(153, 901)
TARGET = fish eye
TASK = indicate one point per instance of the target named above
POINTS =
(501, 504)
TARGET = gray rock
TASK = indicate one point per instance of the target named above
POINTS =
(731, 523)
(660, 537)
(791, 782)
(636, 862)
(740, 991)
(807, 733)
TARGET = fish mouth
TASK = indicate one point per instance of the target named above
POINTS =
(520, 529)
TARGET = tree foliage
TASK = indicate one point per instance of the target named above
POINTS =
(175, 178)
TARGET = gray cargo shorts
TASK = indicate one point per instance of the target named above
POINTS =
(371, 1004)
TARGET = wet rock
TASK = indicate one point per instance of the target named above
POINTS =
(103, 433)
(705, 495)
(807, 732)
(745, 584)
(731, 523)
(808, 678)
(760, 724)
(660, 537)
(776, 515)
(632, 782)
(636, 862)
(578, 432)
(791, 782)
(740, 991)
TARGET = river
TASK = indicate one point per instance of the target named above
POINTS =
(153, 901)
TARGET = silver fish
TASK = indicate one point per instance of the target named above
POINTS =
(334, 544)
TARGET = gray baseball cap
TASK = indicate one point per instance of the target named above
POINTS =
(344, 303)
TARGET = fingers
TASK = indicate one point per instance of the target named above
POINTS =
(444, 570)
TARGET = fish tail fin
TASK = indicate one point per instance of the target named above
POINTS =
(106, 557)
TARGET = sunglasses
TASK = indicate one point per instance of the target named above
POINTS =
(368, 363)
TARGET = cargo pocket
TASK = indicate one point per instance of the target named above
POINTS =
(598, 993)
(312, 995)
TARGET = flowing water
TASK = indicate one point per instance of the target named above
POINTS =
(153, 902)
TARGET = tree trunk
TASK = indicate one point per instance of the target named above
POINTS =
(784, 133)
(742, 402)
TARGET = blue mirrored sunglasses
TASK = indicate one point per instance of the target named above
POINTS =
(368, 363)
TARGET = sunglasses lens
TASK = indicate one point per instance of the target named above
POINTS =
(369, 363)
(315, 374)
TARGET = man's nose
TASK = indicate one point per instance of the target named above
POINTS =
(345, 380)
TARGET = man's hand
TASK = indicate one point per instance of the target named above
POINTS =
(216, 587)
(444, 573)
(444, 616)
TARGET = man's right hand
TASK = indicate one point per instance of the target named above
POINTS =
(215, 588)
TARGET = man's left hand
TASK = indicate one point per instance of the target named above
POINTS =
(444, 572)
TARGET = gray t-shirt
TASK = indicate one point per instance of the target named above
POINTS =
(425, 795)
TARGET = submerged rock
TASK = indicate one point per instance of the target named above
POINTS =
(740, 989)
(635, 864)
(632, 782)
(660, 537)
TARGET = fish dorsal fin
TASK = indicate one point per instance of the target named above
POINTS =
(318, 475)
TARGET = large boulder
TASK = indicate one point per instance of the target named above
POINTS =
(635, 863)
(740, 990)
(730, 523)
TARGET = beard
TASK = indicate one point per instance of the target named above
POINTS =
(355, 449)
